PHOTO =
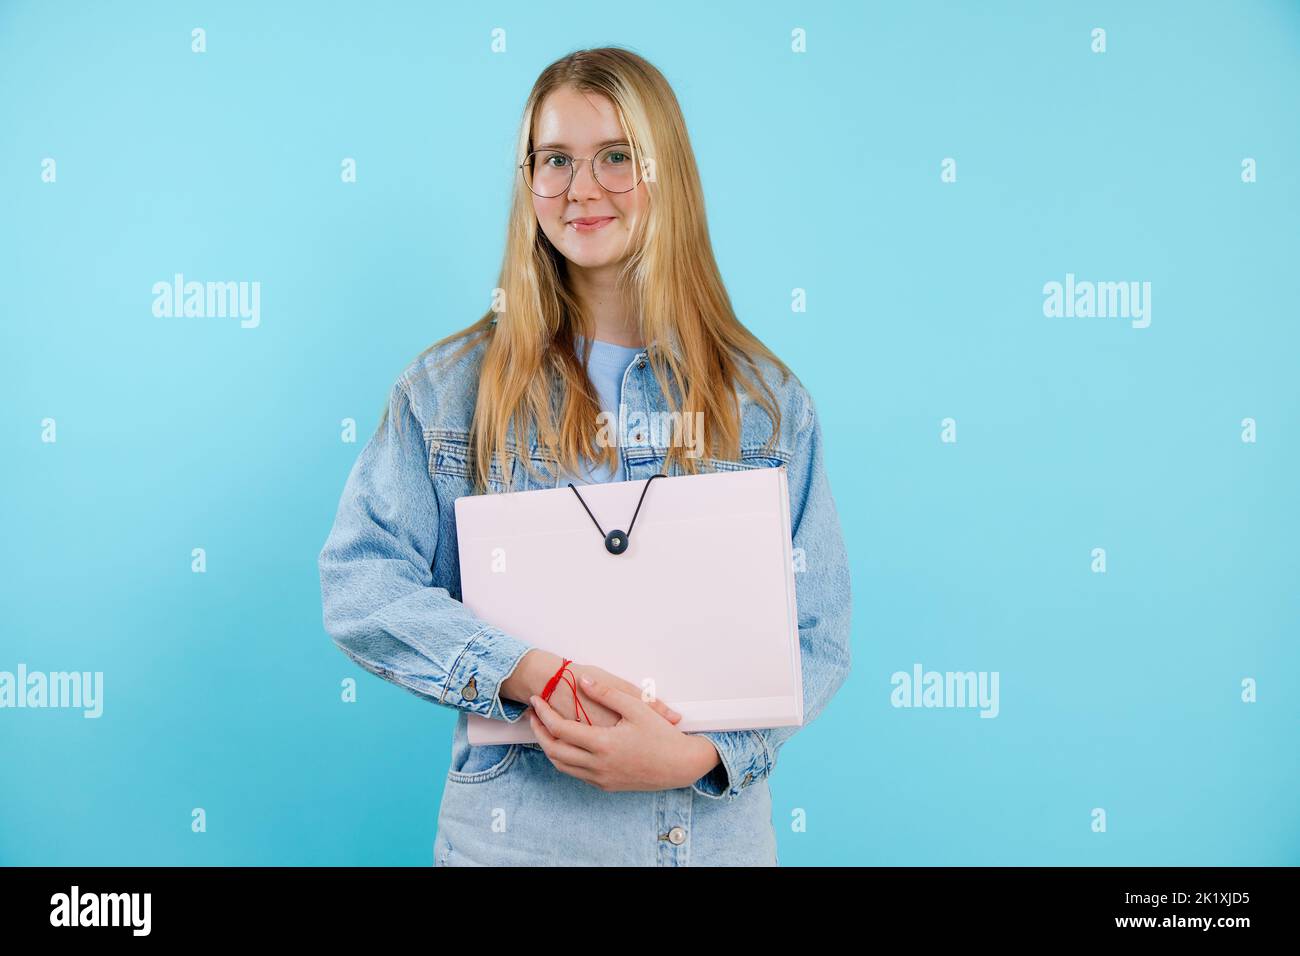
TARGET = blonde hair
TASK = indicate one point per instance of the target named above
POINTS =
(695, 343)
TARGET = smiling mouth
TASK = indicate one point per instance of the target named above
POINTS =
(591, 223)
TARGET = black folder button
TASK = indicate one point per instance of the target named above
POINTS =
(616, 542)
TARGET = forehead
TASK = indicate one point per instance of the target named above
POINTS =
(569, 119)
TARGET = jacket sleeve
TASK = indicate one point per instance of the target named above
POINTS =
(824, 604)
(380, 605)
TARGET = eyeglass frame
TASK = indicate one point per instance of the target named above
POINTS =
(573, 170)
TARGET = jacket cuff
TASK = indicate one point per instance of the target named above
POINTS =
(475, 679)
(745, 758)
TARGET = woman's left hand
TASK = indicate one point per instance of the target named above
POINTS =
(643, 751)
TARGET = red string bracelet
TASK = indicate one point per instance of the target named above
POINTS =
(554, 682)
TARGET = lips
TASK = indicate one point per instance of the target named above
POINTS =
(589, 223)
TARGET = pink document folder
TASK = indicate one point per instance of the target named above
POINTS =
(699, 610)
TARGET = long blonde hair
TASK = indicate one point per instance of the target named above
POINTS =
(695, 343)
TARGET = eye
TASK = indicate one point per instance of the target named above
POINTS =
(616, 158)
(560, 157)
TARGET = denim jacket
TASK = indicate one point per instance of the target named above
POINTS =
(390, 590)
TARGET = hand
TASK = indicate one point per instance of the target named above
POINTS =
(641, 751)
(537, 667)
(601, 716)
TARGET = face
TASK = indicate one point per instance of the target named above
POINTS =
(581, 124)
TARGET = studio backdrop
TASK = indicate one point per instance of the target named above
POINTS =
(1034, 262)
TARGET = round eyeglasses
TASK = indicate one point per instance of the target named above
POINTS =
(549, 172)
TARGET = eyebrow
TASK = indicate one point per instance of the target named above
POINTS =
(608, 142)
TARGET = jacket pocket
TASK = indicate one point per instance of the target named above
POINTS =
(545, 473)
(750, 458)
(744, 464)
(451, 462)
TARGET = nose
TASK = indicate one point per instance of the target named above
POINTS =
(584, 185)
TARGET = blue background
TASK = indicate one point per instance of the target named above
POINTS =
(821, 170)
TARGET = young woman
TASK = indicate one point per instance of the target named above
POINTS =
(611, 314)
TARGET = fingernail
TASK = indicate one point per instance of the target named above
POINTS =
(533, 700)
(586, 680)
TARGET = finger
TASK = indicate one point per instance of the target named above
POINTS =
(570, 731)
(586, 776)
(621, 702)
(654, 702)
(557, 749)
(666, 712)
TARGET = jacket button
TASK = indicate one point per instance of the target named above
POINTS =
(641, 364)
(749, 778)
(470, 690)
(677, 836)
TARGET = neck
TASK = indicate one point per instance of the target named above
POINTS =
(613, 318)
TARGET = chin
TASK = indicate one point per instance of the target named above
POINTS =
(587, 260)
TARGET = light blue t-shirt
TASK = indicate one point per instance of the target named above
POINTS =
(605, 369)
